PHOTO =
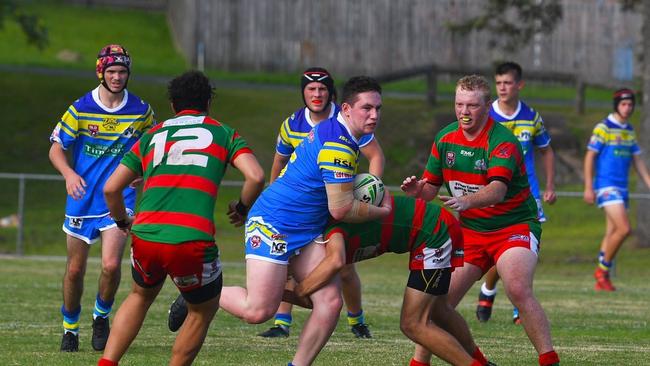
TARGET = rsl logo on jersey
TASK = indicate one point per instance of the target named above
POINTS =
(450, 158)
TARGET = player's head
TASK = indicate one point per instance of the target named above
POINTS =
(361, 104)
(118, 59)
(192, 90)
(508, 78)
(624, 101)
(472, 103)
(317, 86)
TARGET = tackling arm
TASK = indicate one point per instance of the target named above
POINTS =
(489, 195)
(330, 265)
(419, 188)
(342, 205)
(120, 179)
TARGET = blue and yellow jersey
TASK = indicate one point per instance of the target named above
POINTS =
(99, 137)
(527, 125)
(328, 155)
(615, 144)
(295, 128)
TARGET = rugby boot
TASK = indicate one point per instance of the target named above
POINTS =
(177, 313)
(276, 331)
(515, 316)
(602, 281)
(70, 342)
(101, 330)
(361, 331)
(484, 307)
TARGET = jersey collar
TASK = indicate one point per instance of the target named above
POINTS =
(308, 114)
(95, 94)
(497, 110)
(341, 120)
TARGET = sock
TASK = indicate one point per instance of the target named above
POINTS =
(102, 308)
(71, 320)
(488, 292)
(605, 266)
(548, 358)
(415, 362)
(479, 356)
(601, 255)
(354, 319)
(283, 319)
(477, 363)
(106, 362)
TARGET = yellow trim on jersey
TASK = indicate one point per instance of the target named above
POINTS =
(337, 145)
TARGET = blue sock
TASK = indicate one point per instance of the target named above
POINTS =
(102, 308)
(71, 320)
(283, 319)
(354, 319)
(601, 255)
(605, 266)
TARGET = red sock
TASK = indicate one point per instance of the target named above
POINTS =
(477, 363)
(415, 362)
(548, 358)
(479, 356)
(106, 362)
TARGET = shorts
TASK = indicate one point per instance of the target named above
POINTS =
(271, 241)
(431, 281)
(448, 255)
(194, 267)
(89, 229)
(611, 196)
(483, 249)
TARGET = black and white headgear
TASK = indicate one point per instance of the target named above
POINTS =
(623, 94)
(319, 75)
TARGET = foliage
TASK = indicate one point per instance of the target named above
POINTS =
(510, 32)
(29, 23)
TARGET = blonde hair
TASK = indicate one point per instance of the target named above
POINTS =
(475, 83)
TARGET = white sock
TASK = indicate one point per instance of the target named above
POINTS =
(488, 292)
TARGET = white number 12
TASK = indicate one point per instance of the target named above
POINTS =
(202, 138)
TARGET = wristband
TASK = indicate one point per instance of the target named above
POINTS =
(241, 208)
(122, 224)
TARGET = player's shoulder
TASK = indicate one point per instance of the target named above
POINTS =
(137, 103)
(334, 131)
(501, 133)
(527, 112)
(447, 131)
(85, 102)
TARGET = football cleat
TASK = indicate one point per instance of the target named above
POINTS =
(276, 331)
(70, 342)
(484, 307)
(602, 281)
(515, 316)
(361, 331)
(101, 330)
(177, 313)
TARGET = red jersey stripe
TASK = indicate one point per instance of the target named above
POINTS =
(387, 228)
(499, 209)
(470, 178)
(175, 218)
(418, 218)
(182, 181)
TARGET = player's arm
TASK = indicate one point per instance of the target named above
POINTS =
(253, 173)
(74, 183)
(330, 265)
(342, 205)
(120, 179)
(279, 162)
(489, 195)
(641, 169)
(375, 155)
(548, 162)
(419, 188)
(589, 195)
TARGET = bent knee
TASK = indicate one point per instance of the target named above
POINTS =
(257, 316)
(111, 268)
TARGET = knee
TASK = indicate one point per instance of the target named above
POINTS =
(75, 273)
(624, 230)
(519, 293)
(332, 304)
(258, 315)
(408, 326)
(111, 268)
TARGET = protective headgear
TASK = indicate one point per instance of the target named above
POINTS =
(112, 55)
(623, 94)
(319, 75)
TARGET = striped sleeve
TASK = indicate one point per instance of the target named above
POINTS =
(337, 162)
(598, 137)
(284, 144)
(67, 130)
(541, 138)
(433, 170)
(133, 159)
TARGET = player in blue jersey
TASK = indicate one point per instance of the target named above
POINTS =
(97, 129)
(528, 126)
(611, 151)
(318, 93)
(286, 223)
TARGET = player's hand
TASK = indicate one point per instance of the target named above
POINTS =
(236, 218)
(589, 196)
(125, 224)
(455, 203)
(75, 185)
(136, 182)
(387, 202)
(412, 186)
(549, 196)
(293, 298)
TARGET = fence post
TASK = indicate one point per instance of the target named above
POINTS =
(21, 217)
(580, 96)
(432, 85)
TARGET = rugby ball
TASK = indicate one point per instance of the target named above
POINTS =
(368, 189)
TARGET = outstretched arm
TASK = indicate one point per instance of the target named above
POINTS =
(330, 265)
(489, 195)
(419, 188)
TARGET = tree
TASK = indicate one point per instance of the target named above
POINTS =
(29, 23)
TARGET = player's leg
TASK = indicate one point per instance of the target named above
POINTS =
(326, 310)
(517, 267)
(486, 295)
(260, 299)
(77, 247)
(618, 228)
(283, 319)
(351, 289)
(113, 241)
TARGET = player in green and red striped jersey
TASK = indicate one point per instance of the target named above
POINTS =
(482, 166)
(182, 161)
(433, 238)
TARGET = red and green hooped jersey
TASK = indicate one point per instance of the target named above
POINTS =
(466, 166)
(182, 161)
(412, 226)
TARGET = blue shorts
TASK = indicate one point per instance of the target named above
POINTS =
(271, 241)
(611, 196)
(89, 229)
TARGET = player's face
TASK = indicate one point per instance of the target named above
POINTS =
(625, 109)
(316, 96)
(508, 87)
(364, 114)
(472, 111)
(116, 77)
